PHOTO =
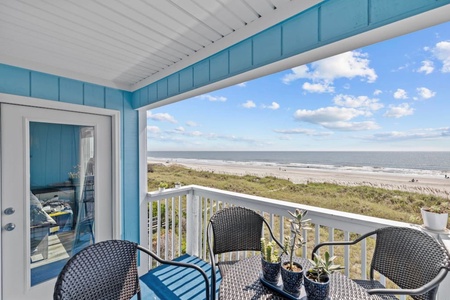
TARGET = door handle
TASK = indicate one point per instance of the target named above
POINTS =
(9, 211)
(10, 226)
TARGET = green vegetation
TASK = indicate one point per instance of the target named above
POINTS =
(370, 201)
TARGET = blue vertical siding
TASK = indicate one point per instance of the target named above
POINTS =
(44, 86)
(23, 82)
(322, 24)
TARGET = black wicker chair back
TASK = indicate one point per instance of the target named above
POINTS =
(408, 257)
(234, 229)
(107, 271)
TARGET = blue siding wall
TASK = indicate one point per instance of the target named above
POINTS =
(327, 22)
(24, 82)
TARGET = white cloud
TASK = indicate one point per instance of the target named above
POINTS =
(242, 84)
(153, 129)
(358, 102)
(399, 111)
(377, 92)
(400, 94)
(304, 131)
(425, 93)
(212, 98)
(297, 73)
(180, 129)
(191, 124)
(162, 117)
(249, 104)
(273, 106)
(351, 126)
(442, 52)
(427, 67)
(336, 118)
(327, 114)
(318, 87)
(323, 72)
(412, 135)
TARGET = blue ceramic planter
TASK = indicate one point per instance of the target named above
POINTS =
(316, 290)
(271, 271)
(292, 281)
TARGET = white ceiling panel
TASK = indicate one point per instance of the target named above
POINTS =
(126, 43)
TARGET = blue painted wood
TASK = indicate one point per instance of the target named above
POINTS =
(162, 88)
(201, 73)
(94, 95)
(324, 23)
(44, 86)
(335, 22)
(241, 57)
(173, 84)
(219, 67)
(130, 171)
(170, 282)
(14, 80)
(382, 11)
(300, 34)
(267, 46)
(186, 80)
(70, 91)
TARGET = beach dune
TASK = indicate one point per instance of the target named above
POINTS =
(432, 185)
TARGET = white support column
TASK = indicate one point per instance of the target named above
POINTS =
(192, 224)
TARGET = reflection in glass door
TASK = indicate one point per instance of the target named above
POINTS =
(62, 196)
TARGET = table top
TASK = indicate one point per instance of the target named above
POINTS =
(242, 282)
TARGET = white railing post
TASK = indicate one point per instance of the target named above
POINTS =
(192, 224)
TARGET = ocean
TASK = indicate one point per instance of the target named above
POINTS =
(414, 163)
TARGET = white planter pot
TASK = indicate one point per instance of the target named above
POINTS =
(434, 221)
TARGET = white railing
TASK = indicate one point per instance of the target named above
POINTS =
(177, 220)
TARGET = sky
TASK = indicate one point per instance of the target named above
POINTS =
(390, 96)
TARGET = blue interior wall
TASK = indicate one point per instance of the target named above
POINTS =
(53, 153)
(23, 82)
(322, 24)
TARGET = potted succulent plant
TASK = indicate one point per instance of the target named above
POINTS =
(317, 280)
(163, 185)
(435, 217)
(270, 261)
(292, 272)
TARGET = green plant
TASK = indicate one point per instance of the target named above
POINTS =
(163, 185)
(322, 267)
(269, 252)
(296, 240)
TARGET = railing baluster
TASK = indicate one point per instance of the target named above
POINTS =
(363, 259)
(347, 254)
(331, 239)
(158, 230)
(180, 220)
(166, 233)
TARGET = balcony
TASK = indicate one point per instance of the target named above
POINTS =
(173, 222)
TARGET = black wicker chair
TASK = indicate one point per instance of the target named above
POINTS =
(107, 270)
(409, 257)
(233, 229)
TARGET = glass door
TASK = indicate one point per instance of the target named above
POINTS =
(56, 186)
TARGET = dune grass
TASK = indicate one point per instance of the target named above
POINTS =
(370, 201)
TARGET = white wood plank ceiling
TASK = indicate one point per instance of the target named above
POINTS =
(128, 43)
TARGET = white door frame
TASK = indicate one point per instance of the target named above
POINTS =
(115, 152)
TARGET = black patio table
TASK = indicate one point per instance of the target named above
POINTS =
(242, 281)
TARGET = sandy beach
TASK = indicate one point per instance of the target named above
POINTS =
(439, 186)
